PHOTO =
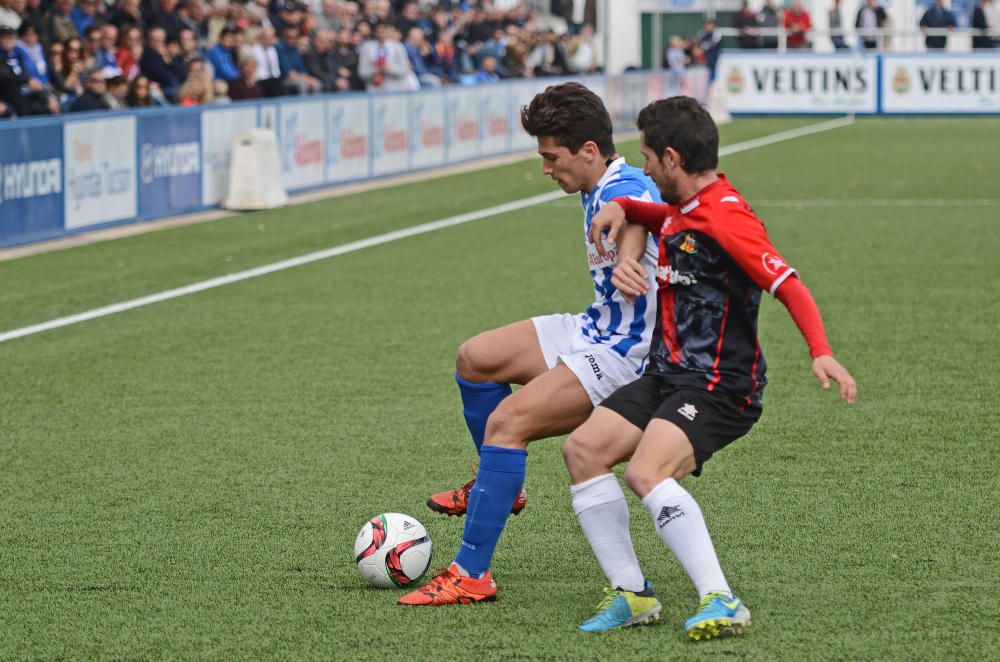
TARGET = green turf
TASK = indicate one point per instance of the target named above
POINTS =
(186, 480)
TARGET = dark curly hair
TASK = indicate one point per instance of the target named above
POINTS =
(685, 125)
(572, 115)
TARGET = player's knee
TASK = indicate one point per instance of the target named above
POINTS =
(507, 426)
(582, 452)
(641, 479)
(471, 362)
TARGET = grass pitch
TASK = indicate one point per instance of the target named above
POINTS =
(186, 480)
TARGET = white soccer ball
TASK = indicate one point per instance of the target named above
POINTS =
(392, 550)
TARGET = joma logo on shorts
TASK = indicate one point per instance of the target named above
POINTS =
(593, 366)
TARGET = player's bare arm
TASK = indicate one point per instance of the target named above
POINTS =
(827, 368)
(610, 216)
(629, 276)
(805, 313)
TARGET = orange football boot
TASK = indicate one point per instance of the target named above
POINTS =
(448, 587)
(455, 503)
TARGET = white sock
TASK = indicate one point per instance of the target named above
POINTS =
(679, 522)
(600, 506)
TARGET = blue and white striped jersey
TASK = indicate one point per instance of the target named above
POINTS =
(611, 320)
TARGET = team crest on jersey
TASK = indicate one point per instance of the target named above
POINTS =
(689, 245)
(773, 264)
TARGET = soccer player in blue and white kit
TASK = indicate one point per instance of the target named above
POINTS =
(566, 363)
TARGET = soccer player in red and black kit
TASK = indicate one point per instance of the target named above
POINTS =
(702, 386)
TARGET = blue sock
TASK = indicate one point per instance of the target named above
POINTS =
(499, 481)
(478, 402)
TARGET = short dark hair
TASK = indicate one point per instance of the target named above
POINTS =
(571, 114)
(684, 124)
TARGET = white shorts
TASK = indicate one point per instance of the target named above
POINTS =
(600, 370)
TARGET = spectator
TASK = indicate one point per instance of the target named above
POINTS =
(157, 64)
(675, 59)
(129, 53)
(746, 22)
(441, 22)
(769, 20)
(515, 60)
(345, 64)
(94, 87)
(422, 58)
(289, 16)
(362, 33)
(319, 60)
(165, 16)
(196, 90)
(34, 96)
(187, 46)
(107, 48)
(407, 19)
(218, 20)
(54, 58)
(936, 17)
(981, 23)
(185, 12)
(488, 71)
(9, 16)
(221, 56)
(871, 18)
(330, 16)
(83, 15)
(34, 53)
(91, 44)
(293, 67)
(246, 86)
(710, 44)
(383, 64)
(991, 10)
(218, 90)
(117, 92)
(34, 13)
(268, 67)
(798, 25)
(67, 73)
(548, 58)
(200, 19)
(12, 75)
(128, 13)
(585, 51)
(836, 26)
(448, 65)
(59, 25)
(138, 93)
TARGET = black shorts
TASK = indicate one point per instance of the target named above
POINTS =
(710, 420)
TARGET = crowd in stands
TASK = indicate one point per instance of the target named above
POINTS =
(759, 30)
(60, 56)
(756, 29)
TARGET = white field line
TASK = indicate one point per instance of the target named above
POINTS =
(882, 202)
(370, 242)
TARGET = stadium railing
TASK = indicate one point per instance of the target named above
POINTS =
(70, 174)
(896, 40)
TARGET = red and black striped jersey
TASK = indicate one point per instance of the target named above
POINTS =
(715, 258)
